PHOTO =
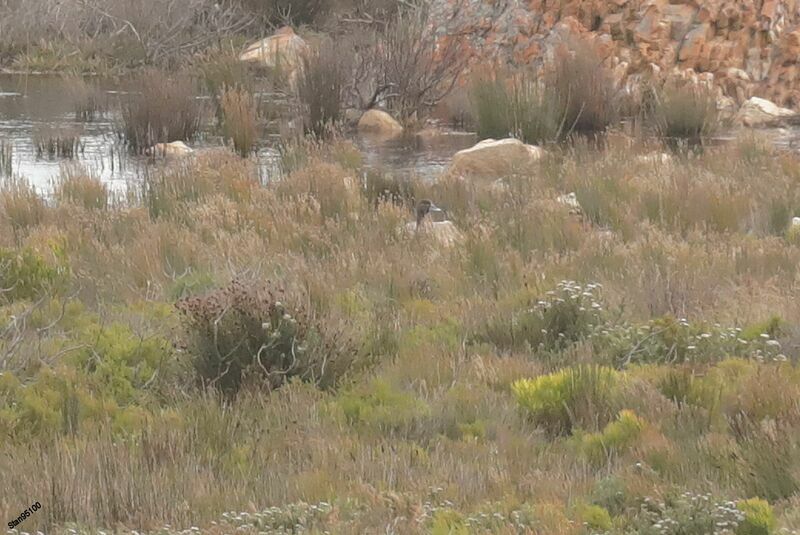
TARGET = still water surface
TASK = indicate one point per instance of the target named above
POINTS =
(29, 104)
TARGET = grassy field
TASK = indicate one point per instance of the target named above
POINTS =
(628, 371)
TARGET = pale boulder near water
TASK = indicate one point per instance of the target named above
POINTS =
(494, 159)
(175, 149)
(759, 112)
(284, 50)
(380, 123)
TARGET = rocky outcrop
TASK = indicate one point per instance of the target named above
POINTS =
(379, 122)
(494, 159)
(760, 112)
(743, 48)
(283, 51)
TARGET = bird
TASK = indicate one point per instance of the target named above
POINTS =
(425, 207)
(444, 232)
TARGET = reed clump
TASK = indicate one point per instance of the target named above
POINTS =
(163, 109)
(240, 120)
(51, 142)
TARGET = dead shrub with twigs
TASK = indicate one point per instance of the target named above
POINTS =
(258, 334)
(407, 65)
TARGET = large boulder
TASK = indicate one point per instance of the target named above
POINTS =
(283, 51)
(380, 123)
(761, 112)
(494, 158)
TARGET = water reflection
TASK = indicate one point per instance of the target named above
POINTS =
(30, 104)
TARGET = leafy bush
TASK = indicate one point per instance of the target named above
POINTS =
(759, 519)
(164, 109)
(251, 332)
(582, 396)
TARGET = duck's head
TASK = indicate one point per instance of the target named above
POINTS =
(425, 207)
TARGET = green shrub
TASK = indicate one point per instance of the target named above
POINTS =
(611, 494)
(583, 396)
(382, 407)
(594, 517)
(251, 331)
(759, 518)
(617, 437)
(25, 275)
(448, 522)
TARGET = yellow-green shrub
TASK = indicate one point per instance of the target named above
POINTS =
(759, 518)
(578, 396)
(382, 407)
(594, 517)
(25, 275)
(448, 522)
(615, 438)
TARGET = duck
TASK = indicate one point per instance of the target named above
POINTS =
(424, 208)
(443, 231)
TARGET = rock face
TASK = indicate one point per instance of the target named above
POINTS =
(760, 112)
(170, 150)
(494, 159)
(744, 48)
(380, 123)
(284, 50)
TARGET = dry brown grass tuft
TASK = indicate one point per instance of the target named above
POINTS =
(240, 120)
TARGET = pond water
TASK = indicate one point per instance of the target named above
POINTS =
(32, 104)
